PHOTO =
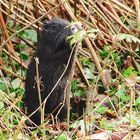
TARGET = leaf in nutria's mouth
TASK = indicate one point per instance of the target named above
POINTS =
(78, 37)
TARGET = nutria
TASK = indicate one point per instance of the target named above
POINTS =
(53, 53)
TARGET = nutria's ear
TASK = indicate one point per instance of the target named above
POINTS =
(45, 25)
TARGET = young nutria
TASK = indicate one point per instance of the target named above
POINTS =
(53, 53)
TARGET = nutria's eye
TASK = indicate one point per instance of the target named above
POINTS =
(73, 29)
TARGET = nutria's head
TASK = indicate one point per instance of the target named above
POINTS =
(54, 35)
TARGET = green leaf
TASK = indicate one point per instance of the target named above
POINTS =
(106, 125)
(19, 104)
(117, 59)
(24, 56)
(130, 70)
(62, 137)
(72, 41)
(127, 37)
(121, 94)
(15, 121)
(105, 52)
(74, 85)
(16, 83)
(87, 63)
(10, 23)
(1, 105)
(101, 110)
(78, 37)
(20, 46)
(88, 73)
(137, 102)
(138, 27)
(1, 97)
(79, 93)
(2, 87)
(29, 34)
(4, 135)
(76, 89)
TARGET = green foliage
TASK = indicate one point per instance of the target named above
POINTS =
(76, 89)
(101, 110)
(117, 58)
(61, 137)
(105, 51)
(87, 62)
(106, 125)
(77, 37)
(111, 54)
(15, 121)
(20, 47)
(1, 105)
(129, 38)
(21, 51)
(121, 94)
(129, 71)
(135, 120)
(15, 91)
(80, 35)
(29, 34)
(24, 56)
(10, 23)
(16, 83)
(3, 135)
(138, 26)
(137, 102)
(5, 58)
(88, 74)
(112, 91)
(88, 67)
(2, 87)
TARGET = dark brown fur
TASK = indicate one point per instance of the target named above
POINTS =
(53, 53)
